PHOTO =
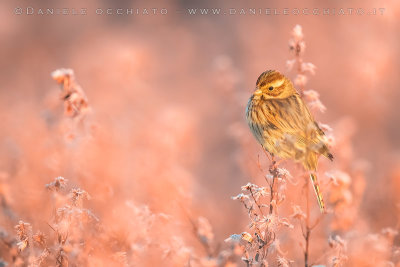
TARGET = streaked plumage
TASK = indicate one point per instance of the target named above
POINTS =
(281, 122)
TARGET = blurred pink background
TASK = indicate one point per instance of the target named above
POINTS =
(168, 95)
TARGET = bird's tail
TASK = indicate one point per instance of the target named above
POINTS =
(318, 192)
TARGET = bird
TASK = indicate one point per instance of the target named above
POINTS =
(281, 122)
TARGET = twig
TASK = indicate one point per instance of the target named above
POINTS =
(308, 229)
(273, 170)
(255, 201)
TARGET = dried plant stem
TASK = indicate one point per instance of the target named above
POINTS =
(299, 61)
(255, 201)
(274, 172)
(308, 228)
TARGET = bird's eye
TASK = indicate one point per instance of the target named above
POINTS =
(271, 88)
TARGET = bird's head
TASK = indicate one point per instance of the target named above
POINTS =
(272, 84)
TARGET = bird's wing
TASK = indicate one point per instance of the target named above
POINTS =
(292, 116)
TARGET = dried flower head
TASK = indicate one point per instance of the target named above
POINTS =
(62, 75)
(297, 33)
(311, 95)
(58, 184)
(290, 64)
(77, 196)
(300, 80)
(308, 67)
(249, 186)
(241, 197)
(317, 104)
(238, 238)
(24, 232)
(39, 238)
(75, 100)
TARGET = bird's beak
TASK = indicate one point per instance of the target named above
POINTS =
(258, 92)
